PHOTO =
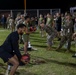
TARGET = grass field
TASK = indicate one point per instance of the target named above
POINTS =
(53, 62)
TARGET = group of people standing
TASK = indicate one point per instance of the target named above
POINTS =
(55, 26)
(58, 26)
(9, 50)
(61, 26)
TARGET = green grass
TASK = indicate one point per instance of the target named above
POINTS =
(55, 63)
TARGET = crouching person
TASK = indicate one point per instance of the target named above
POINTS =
(9, 50)
(52, 33)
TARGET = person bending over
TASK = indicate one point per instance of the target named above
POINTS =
(9, 50)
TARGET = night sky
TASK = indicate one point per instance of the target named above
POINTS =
(37, 4)
(11, 4)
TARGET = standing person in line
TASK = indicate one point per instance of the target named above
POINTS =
(68, 33)
(7, 22)
(58, 24)
(26, 34)
(41, 20)
(9, 50)
(3, 21)
(12, 24)
(50, 21)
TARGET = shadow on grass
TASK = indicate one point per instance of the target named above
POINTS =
(39, 41)
(62, 50)
(36, 32)
(39, 46)
(27, 73)
(65, 51)
(23, 71)
(57, 62)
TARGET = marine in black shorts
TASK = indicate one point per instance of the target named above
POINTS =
(10, 47)
(9, 50)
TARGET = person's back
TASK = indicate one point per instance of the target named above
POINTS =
(9, 43)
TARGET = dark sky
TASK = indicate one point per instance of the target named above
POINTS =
(37, 4)
(62, 4)
(11, 4)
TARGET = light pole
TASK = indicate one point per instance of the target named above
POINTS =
(24, 7)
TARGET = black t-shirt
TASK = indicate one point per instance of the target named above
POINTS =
(11, 44)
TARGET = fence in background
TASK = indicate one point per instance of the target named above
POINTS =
(31, 12)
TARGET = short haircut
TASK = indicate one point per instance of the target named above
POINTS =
(26, 17)
(20, 26)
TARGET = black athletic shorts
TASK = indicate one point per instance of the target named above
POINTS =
(6, 55)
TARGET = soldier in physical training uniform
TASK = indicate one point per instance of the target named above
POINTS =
(52, 33)
(26, 33)
(68, 33)
(41, 20)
